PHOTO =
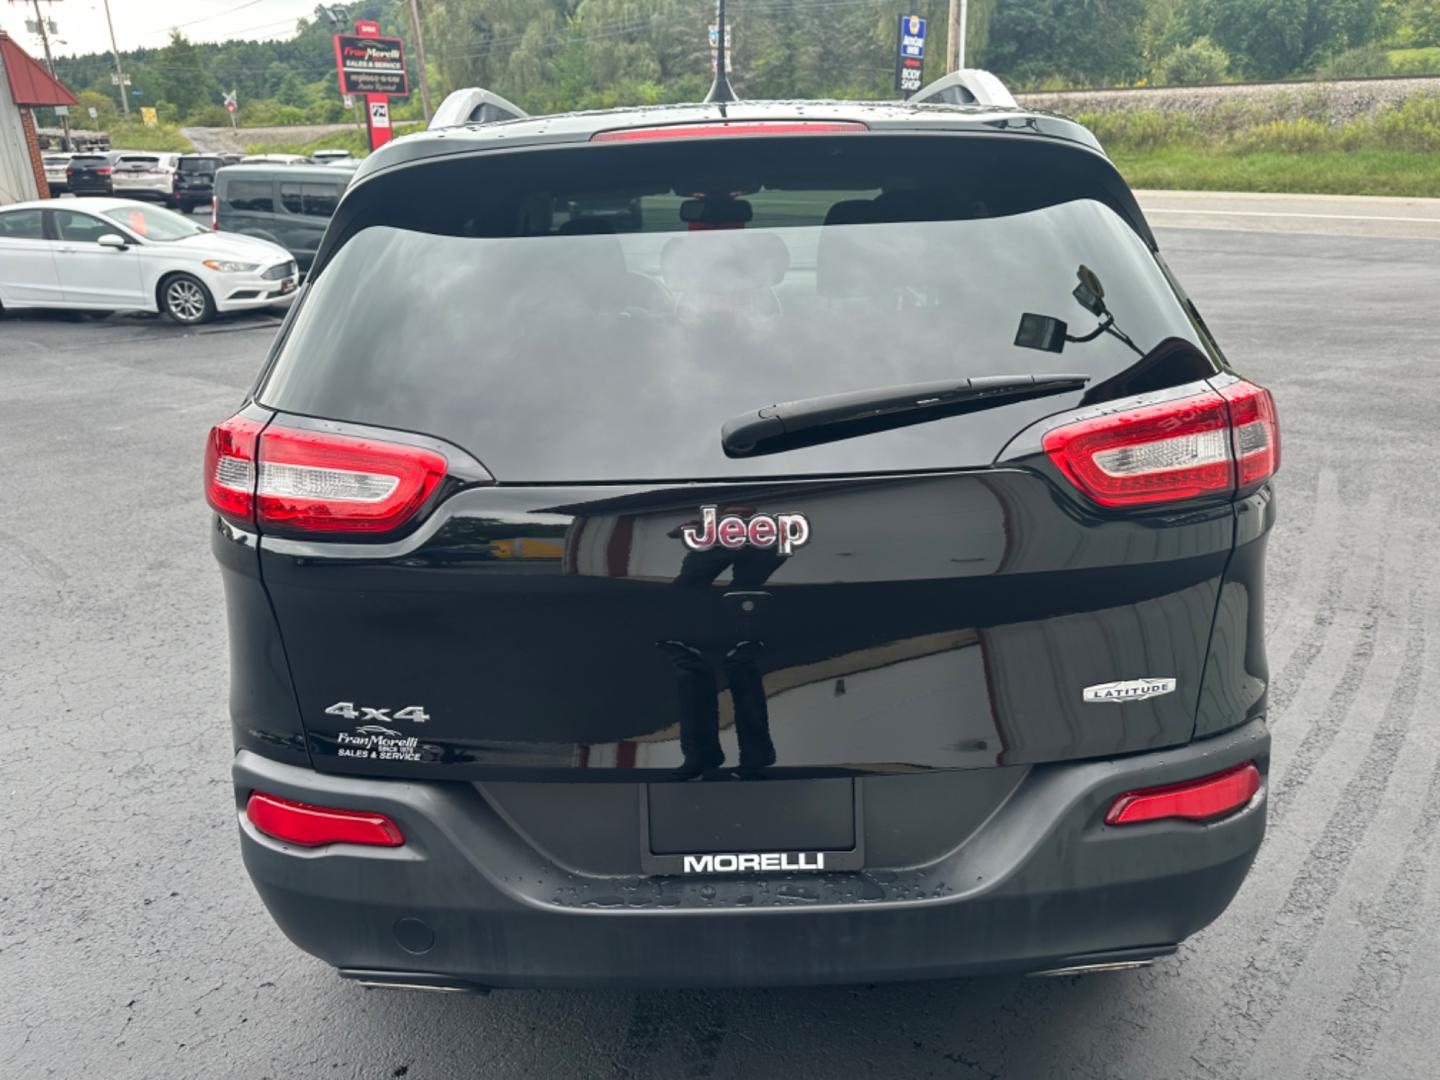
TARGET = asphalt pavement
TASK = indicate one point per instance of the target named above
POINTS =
(132, 946)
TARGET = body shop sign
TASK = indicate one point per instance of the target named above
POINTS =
(371, 65)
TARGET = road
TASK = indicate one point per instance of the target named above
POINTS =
(131, 944)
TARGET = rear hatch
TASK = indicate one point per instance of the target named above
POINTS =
(195, 176)
(599, 587)
(140, 172)
(90, 171)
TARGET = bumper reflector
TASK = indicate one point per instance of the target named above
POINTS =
(314, 826)
(1205, 799)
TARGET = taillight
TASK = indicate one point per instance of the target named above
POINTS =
(1205, 799)
(723, 127)
(315, 482)
(214, 215)
(1256, 431)
(334, 483)
(313, 826)
(104, 171)
(1176, 450)
(230, 469)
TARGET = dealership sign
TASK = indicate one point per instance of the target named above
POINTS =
(371, 65)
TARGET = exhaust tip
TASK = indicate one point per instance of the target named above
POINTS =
(413, 980)
(1119, 960)
(1089, 969)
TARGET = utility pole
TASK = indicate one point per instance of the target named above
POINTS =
(955, 36)
(50, 63)
(119, 71)
(420, 54)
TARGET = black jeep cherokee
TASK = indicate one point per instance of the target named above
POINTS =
(765, 543)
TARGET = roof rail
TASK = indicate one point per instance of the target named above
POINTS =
(474, 105)
(968, 86)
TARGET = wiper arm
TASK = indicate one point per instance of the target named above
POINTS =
(810, 421)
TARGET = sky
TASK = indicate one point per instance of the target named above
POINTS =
(142, 23)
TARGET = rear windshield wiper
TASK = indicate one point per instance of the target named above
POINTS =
(810, 421)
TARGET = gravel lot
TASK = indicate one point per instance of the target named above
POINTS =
(131, 944)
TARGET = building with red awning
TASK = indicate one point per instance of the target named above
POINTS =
(24, 86)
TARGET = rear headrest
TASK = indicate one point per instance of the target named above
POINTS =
(842, 268)
(596, 255)
(926, 204)
(850, 212)
(586, 226)
(726, 260)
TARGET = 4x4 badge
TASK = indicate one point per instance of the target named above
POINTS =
(783, 532)
(1128, 690)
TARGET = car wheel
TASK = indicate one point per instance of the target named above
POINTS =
(185, 207)
(186, 300)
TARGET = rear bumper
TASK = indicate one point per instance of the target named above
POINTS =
(1042, 884)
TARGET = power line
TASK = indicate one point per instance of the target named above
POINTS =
(203, 18)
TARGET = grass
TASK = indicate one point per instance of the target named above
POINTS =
(1326, 172)
(354, 139)
(136, 136)
(1394, 152)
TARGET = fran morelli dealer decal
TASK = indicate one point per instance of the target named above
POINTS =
(1128, 690)
(377, 744)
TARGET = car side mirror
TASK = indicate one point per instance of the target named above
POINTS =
(112, 240)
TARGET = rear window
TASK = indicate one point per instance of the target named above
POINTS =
(21, 225)
(598, 314)
(250, 195)
(311, 200)
(198, 165)
(89, 159)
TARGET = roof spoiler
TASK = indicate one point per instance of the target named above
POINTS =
(969, 86)
(474, 105)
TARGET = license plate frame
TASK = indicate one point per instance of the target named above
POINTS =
(761, 801)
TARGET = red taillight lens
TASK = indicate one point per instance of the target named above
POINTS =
(104, 171)
(230, 469)
(1158, 453)
(316, 482)
(308, 481)
(1205, 799)
(214, 214)
(313, 826)
(1256, 431)
(721, 127)
(1172, 451)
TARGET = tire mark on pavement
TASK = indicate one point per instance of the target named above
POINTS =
(1354, 1029)
(33, 557)
(1263, 986)
(1291, 676)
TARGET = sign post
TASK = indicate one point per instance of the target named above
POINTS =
(232, 103)
(910, 55)
(375, 67)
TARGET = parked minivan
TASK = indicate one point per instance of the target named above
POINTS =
(289, 205)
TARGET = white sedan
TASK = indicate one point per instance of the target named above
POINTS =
(120, 255)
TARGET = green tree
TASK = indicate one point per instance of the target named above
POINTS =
(185, 80)
(1202, 61)
(1275, 38)
(1078, 42)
